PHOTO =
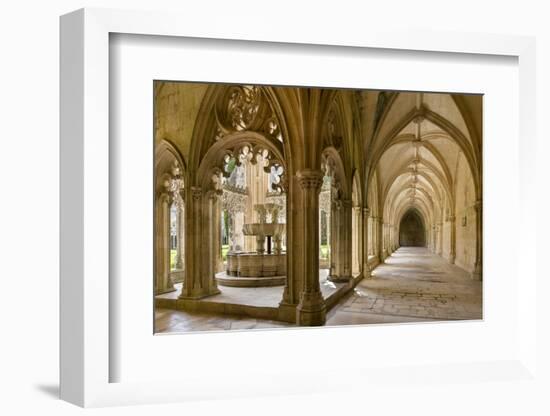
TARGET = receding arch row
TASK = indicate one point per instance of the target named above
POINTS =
(436, 175)
(381, 145)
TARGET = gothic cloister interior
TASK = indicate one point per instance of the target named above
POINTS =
(295, 206)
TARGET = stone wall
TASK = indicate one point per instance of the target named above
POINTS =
(465, 217)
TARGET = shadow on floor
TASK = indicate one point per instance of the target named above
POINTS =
(51, 390)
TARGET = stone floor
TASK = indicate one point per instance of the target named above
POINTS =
(256, 296)
(172, 321)
(413, 285)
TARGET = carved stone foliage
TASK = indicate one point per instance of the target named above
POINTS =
(278, 198)
(233, 200)
(173, 184)
(246, 108)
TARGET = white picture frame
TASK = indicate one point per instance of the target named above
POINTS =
(86, 355)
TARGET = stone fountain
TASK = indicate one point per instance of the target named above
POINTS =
(273, 231)
(265, 266)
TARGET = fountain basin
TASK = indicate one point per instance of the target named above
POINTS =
(254, 264)
(264, 229)
(253, 270)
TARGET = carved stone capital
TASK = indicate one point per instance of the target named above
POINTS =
(310, 179)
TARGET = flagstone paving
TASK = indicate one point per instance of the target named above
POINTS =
(413, 285)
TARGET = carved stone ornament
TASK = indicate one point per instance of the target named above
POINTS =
(310, 179)
(234, 202)
(245, 108)
(175, 185)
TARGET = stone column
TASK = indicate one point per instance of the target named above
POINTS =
(346, 235)
(180, 236)
(378, 238)
(341, 259)
(452, 254)
(357, 243)
(163, 282)
(368, 237)
(320, 233)
(384, 240)
(440, 239)
(372, 235)
(366, 251)
(202, 231)
(290, 299)
(390, 239)
(390, 250)
(334, 238)
(477, 272)
(396, 237)
(311, 310)
(217, 231)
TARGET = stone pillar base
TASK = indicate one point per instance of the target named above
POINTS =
(476, 273)
(366, 272)
(312, 310)
(198, 294)
(287, 312)
(339, 279)
(452, 259)
(165, 290)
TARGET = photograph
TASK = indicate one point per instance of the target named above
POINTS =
(305, 206)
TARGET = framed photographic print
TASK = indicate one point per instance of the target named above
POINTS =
(244, 206)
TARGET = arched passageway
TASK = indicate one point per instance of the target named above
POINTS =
(412, 232)
(294, 196)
